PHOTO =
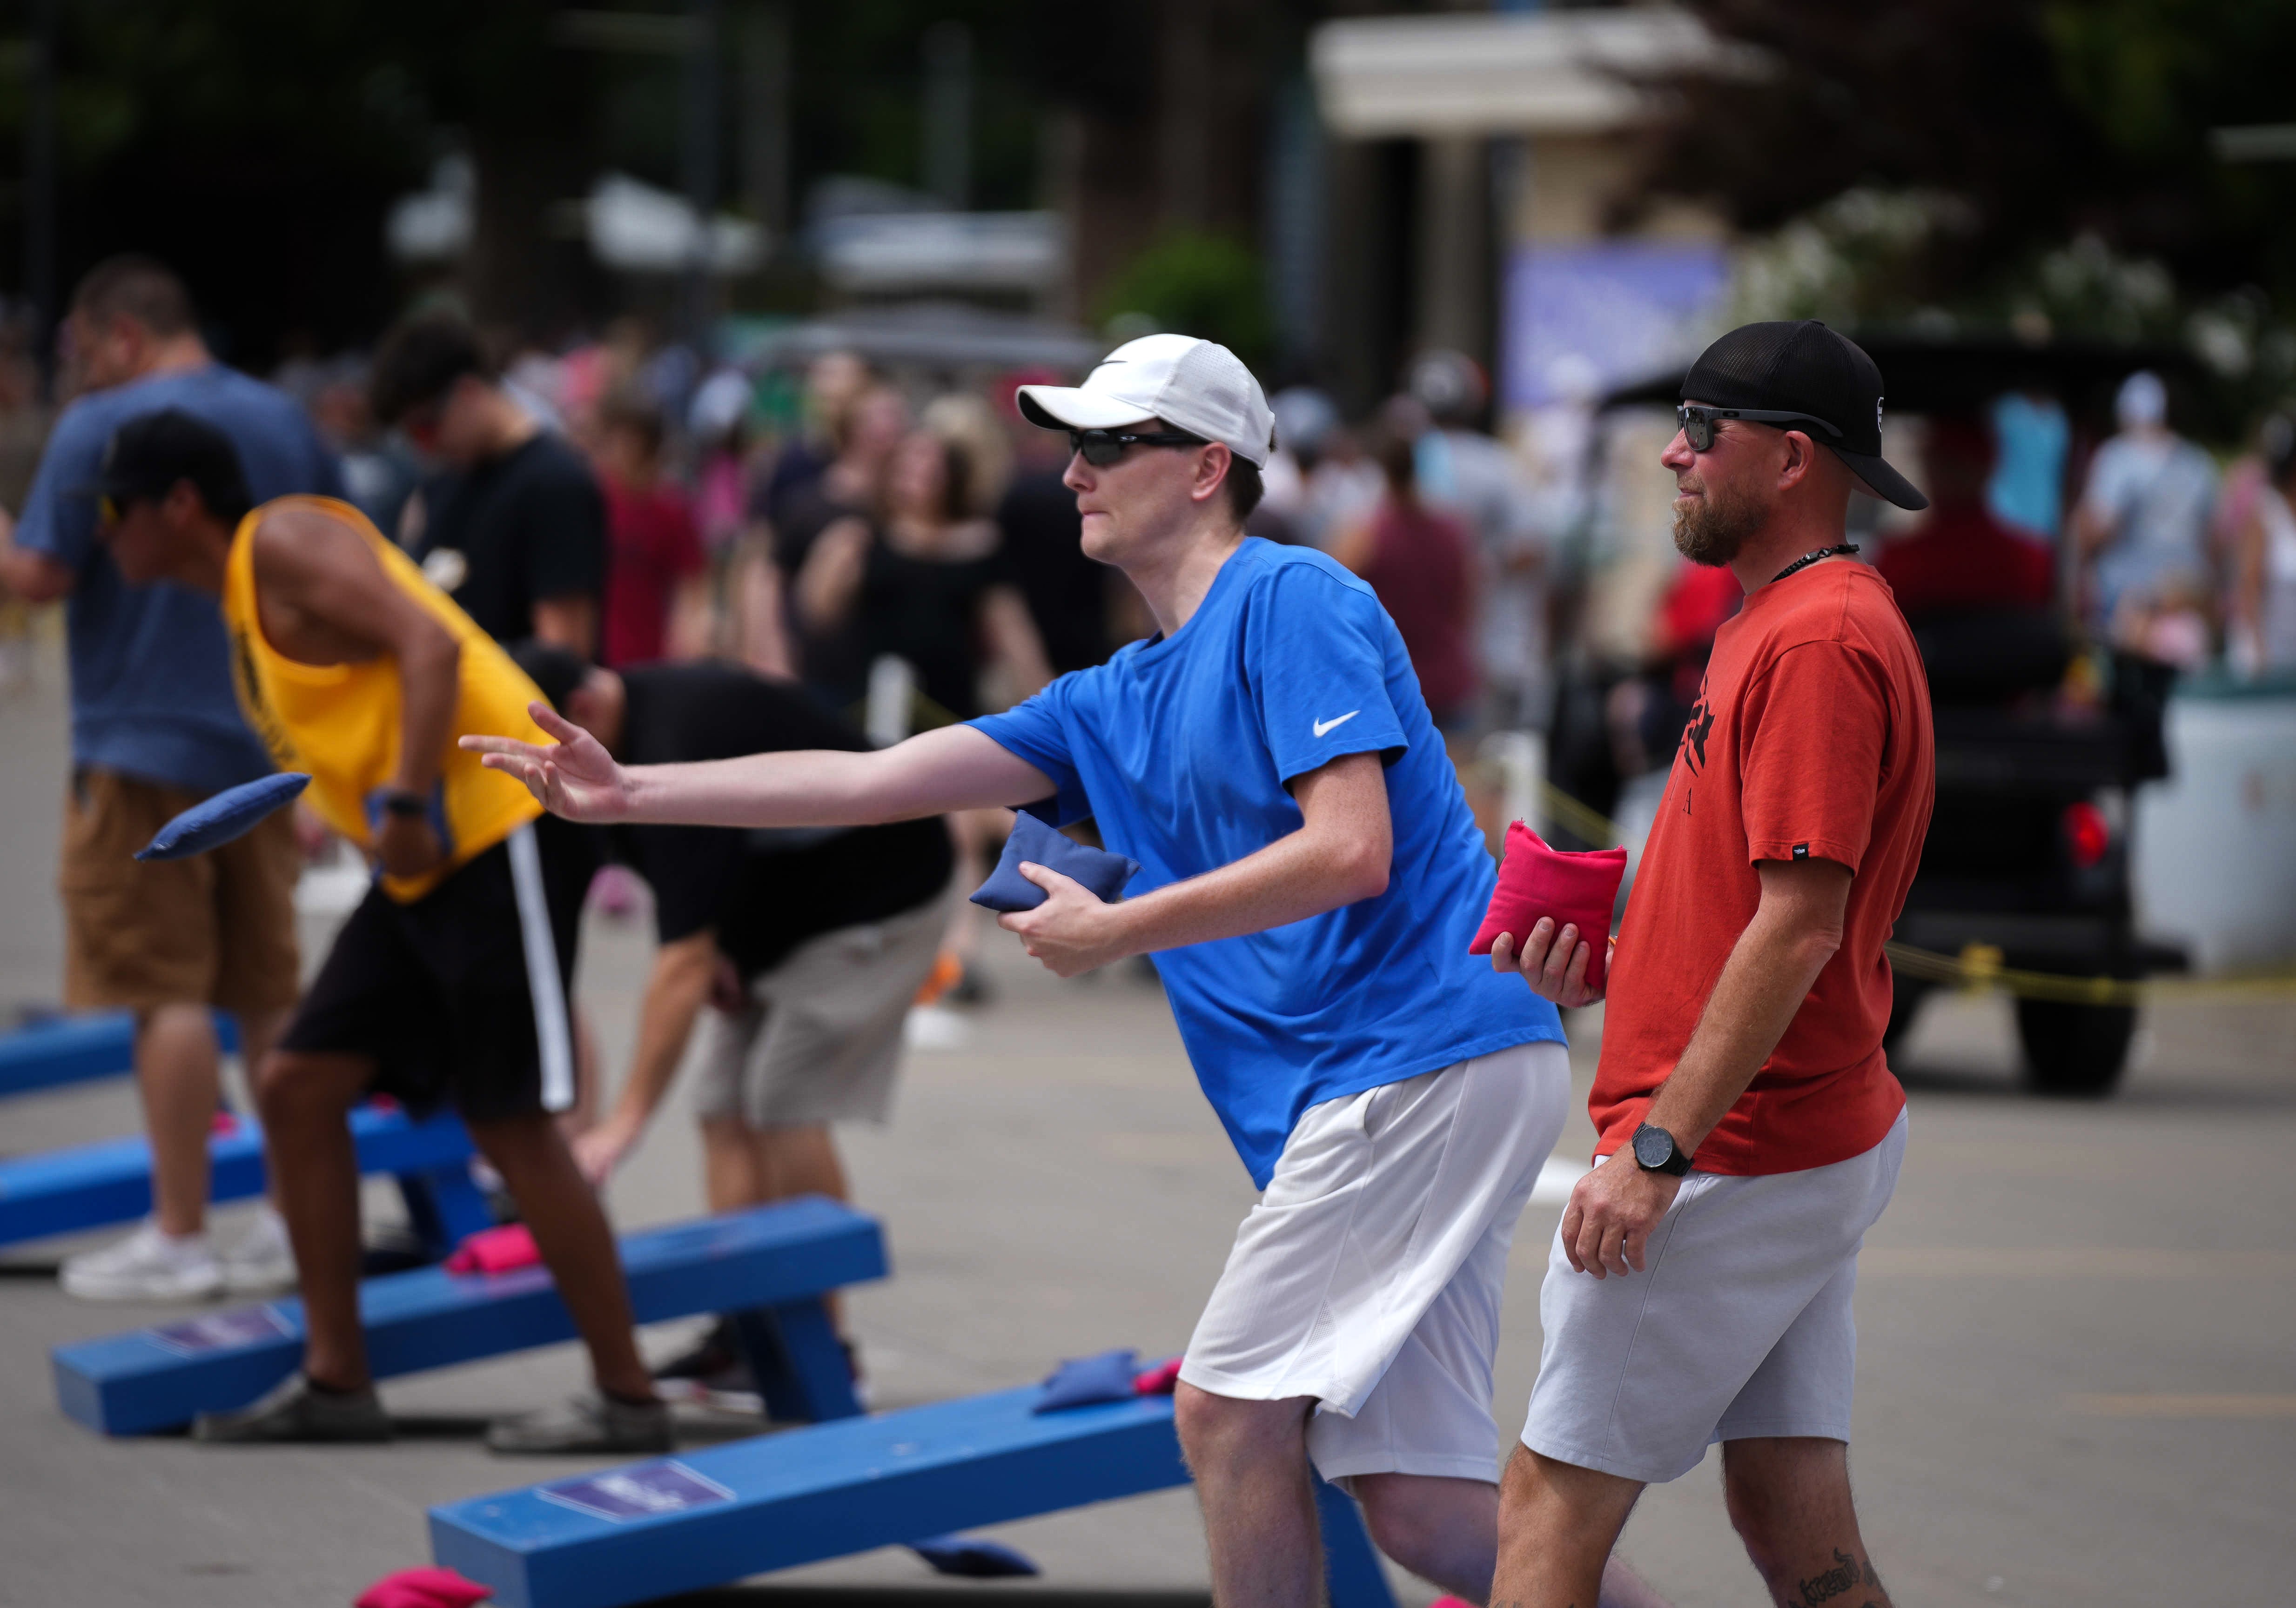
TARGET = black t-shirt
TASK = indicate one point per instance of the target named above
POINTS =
(530, 525)
(766, 891)
(928, 611)
(834, 663)
(1044, 555)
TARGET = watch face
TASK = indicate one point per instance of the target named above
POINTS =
(1652, 1147)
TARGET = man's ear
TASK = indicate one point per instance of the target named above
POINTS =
(1797, 461)
(1211, 472)
(182, 506)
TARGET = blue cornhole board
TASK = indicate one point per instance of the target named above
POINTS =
(655, 1529)
(769, 1264)
(93, 1185)
(74, 1049)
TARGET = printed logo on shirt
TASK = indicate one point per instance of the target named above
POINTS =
(1801, 852)
(1696, 730)
(1325, 726)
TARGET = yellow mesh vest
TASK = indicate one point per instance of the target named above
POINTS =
(340, 722)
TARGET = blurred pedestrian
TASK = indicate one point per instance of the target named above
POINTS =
(1466, 473)
(797, 961)
(513, 529)
(1421, 563)
(1962, 556)
(928, 584)
(2262, 634)
(832, 655)
(2033, 437)
(2141, 528)
(657, 576)
(156, 727)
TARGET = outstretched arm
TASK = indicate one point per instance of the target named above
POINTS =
(955, 768)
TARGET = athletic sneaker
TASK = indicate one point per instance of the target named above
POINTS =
(709, 1371)
(260, 1261)
(146, 1266)
(589, 1423)
(298, 1413)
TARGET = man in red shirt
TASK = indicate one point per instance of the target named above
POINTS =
(1699, 1287)
(1962, 556)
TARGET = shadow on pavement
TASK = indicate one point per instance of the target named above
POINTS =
(926, 1596)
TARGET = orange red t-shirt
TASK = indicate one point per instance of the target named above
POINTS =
(1811, 739)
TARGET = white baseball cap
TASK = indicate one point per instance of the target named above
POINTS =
(1198, 386)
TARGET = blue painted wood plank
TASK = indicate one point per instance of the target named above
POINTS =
(809, 1494)
(689, 1522)
(76, 1048)
(769, 1256)
(90, 1185)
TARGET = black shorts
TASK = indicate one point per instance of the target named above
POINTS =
(437, 992)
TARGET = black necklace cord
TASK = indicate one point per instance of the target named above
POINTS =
(1808, 559)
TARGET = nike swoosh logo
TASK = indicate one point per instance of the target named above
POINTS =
(1323, 725)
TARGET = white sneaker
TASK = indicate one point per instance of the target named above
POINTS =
(146, 1266)
(260, 1261)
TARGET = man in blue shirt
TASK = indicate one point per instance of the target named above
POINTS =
(1310, 881)
(155, 728)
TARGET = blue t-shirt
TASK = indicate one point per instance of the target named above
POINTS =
(1180, 749)
(151, 678)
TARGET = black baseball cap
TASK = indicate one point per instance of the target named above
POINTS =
(150, 452)
(1802, 366)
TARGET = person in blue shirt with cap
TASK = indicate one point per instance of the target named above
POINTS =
(1311, 879)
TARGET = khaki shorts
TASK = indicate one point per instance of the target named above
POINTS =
(211, 929)
(821, 1040)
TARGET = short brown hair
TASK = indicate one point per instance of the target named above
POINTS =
(419, 361)
(1243, 486)
(132, 285)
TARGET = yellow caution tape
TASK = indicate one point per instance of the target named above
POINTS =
(1978, 968)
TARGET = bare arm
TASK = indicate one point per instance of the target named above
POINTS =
(570, 622)
(34, 576)
(760, 636)
(675, 994)
(954, 767)
(1342, 852)
(1796, 930)
(829, 581)
(320, 584)
(1013, 639)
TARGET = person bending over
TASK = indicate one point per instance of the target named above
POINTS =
(448, 983)
(798, 953)
(1311, 881)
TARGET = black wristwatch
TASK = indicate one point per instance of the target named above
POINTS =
(405, 802)
(1655, 1151)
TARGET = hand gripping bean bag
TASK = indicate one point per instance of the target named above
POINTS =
(1006, 889)
(1575, 890)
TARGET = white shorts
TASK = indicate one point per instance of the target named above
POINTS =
(821, 1040)
(1368, 1277)
(1738, 1328)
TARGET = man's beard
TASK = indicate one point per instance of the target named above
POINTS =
(1711, 530)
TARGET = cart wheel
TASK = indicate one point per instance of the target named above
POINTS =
(2074, 1049)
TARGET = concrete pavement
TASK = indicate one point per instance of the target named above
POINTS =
(2076, 1383)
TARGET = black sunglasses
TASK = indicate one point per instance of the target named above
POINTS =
(1102, 448)
(1697, 423)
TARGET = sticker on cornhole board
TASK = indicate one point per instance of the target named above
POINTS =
(223, 1330)
(645, 1492)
